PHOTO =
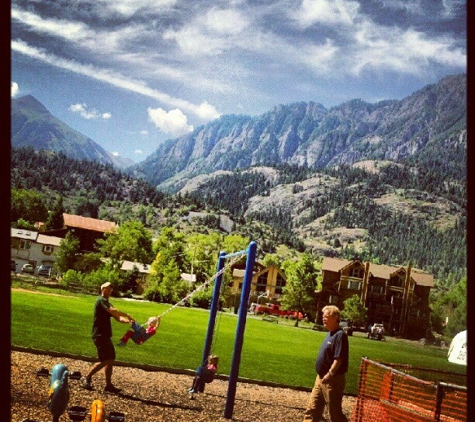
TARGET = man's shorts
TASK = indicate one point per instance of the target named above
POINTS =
(105, 349)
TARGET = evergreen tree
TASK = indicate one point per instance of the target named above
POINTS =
(55, 218)
(28, 205)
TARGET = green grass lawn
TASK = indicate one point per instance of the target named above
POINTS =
(279, 353)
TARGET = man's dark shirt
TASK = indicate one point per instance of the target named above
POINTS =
(335, 345)
(101, 327)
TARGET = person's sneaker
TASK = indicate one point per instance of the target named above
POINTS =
(120, 343)
(86, 384)
(111, 389)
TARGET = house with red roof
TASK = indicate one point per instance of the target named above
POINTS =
(86, 229)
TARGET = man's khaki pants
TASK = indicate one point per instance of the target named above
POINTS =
(330, 394)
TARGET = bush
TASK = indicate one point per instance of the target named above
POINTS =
(72, 278)
(201, 299)
(152, 294)
(95, 279)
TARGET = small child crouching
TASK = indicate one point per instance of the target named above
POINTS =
(204, 375)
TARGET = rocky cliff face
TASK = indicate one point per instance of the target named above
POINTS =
(307, 134)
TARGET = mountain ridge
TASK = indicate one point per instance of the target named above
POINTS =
(32, 125)
(430, 121)
(307, 134)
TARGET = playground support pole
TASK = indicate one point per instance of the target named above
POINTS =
(214, 308)
(246, 288)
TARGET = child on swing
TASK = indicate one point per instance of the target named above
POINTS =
(204, 374)
(140, 333)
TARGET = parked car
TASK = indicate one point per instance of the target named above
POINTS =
(28, 268)
(347, 327)
(44, 270)
(377, 331)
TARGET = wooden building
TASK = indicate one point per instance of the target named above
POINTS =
(266, 282)
(397, 297)
(86, 229)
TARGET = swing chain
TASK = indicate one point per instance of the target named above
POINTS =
(202, 286)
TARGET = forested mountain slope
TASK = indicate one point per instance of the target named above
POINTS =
(377, 211)
(384, 182)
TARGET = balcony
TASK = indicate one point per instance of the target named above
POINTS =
(351, 283)
(376, 297)
(347, 278)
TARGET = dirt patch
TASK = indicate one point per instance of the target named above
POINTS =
(148, 396)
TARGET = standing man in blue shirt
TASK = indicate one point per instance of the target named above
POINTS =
(331, 367)
(101, 336)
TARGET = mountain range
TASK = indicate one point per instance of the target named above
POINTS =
(384, 180)
(307, 134)
(304, 134)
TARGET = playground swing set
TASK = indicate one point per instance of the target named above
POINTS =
(58, 395)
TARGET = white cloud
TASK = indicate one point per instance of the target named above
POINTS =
(205, 111)
(15, 89)
(138, 152)
(115, 154)
(144, 132)
(361, 45)
(58, 27)
(129, 7)
(327, 12)
(225, 22)
(173, 122)
(404, 51)
(88, 114)
(108, 42)
(211, 34)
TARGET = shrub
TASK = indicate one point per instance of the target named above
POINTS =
(201, 299)
(72, 278)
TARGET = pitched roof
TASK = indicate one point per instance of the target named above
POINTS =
(129, 266)
(23, 234)
(88, 223)
(380, 271)
(334, 264)
(49, 240)
(422, 279)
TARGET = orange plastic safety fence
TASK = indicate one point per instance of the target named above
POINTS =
(389, 395)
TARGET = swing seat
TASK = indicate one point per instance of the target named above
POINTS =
(207, 376)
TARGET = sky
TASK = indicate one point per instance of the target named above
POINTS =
(130, 74)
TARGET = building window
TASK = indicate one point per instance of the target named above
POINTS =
(47, 248)
(262, 282)
(25, 244)
(280, 283)
(333, 299)
(397, 280)
(354, 285)
(376, 289)
(357, 272)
